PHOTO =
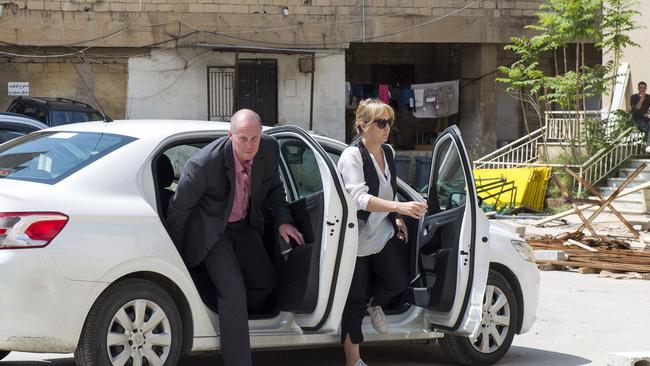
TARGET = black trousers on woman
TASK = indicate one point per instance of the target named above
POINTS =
(382, 276)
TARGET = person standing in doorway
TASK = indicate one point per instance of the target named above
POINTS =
(215, 219)
(368, 170)
(640, 105)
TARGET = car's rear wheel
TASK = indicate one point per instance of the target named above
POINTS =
(3, 354)
(134, 322)
(497, 328)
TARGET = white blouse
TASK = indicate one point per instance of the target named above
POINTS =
(377, 230)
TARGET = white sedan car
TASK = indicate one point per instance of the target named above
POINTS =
(86, 265)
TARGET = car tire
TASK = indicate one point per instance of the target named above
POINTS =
(4, 354)
(143, 322)
(498, 326)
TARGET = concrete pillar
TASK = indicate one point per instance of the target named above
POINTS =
(478, 97)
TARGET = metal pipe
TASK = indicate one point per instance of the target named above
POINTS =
(363, 20)
(311, 98)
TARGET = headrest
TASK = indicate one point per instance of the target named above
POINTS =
(164, 171)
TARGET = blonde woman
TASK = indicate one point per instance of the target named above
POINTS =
(368, 171)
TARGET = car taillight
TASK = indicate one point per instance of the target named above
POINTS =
(29, 229)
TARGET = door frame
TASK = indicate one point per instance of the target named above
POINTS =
(453, 133)
(347, 221)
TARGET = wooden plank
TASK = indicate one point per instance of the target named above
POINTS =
(579, 244)
(601, 265)
(602, 201)
(560, 215)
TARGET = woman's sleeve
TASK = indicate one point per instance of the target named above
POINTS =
(351, 168)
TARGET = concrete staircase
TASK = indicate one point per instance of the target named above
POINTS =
(635, 203)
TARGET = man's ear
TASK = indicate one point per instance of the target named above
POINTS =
(230, 135)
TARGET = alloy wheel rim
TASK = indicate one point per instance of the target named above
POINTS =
(139, 335)
(495, 321)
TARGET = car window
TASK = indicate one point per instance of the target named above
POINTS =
(41, 115)
(64, 117)
(6, 135)
(49, 157)
(29, 110)
(450, 184)
(180, 154)
(302, 165)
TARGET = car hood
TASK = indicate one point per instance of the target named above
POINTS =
(503, 231)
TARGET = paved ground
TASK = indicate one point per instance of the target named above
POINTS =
(581, 319)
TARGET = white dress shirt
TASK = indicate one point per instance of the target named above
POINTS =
(377, 230)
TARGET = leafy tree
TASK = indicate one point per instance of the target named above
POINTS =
(563, 25)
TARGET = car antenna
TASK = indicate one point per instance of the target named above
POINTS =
(101, 110)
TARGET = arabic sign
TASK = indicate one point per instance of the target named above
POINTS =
(18, 88)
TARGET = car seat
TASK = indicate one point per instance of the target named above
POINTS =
(164, 178)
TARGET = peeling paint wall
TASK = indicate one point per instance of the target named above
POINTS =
(59, 79)
(173, 85)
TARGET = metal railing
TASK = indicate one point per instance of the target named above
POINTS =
(524, 152)
(521, 152)
(564, 126)
(629, 143)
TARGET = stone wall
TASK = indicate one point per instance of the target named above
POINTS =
(313, 23)
(60, 79)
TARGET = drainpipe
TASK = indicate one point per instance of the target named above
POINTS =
(311, 99)
(235, 85)
(363, 21)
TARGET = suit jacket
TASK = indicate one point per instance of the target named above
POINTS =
(199, 210)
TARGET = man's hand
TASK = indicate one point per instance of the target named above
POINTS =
(288, 232)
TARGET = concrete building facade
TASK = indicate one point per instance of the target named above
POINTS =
(153, 58)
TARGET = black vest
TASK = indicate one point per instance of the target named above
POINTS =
(371, 177)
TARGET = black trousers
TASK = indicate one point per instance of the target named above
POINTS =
(643, 124)
(382, 276)
(244, 277)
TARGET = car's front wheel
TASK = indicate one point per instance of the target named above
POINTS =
(3, 354)
(134, 322)
(497, 329)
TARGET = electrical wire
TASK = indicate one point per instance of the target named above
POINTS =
(225, 35)
(97, 40)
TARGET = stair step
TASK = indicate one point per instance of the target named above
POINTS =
(634, 163)
(645, 174)
(615, 182)
(634, 197)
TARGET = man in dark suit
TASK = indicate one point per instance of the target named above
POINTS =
(640, 104)
(215, 218)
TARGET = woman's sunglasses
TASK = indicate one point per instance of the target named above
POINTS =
(382, 123)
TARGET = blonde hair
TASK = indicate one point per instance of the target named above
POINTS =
(369, 110)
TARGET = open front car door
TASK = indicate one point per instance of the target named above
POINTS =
(453, 242)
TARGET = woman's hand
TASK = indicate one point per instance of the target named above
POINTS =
(402, 230)
(414, 209)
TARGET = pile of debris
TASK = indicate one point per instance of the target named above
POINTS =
(589, 255)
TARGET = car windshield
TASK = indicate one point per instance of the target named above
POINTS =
(49, 157)
(64, 117)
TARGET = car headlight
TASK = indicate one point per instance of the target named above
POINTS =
(524, 250)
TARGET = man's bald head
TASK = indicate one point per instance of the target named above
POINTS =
(245, 134)
(244, 117)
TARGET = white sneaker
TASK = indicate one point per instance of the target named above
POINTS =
(378, 319)
(647, 149)
(360, 363)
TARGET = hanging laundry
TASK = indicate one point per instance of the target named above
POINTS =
(407, 98)
(384, 93)
(356, 90)
(419, 97)
(435, 100)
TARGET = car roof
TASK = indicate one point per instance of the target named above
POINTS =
(15, 118)
(59, 103)
(144, 128)
(158, 129)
